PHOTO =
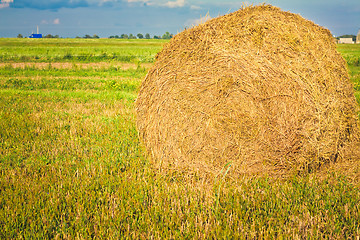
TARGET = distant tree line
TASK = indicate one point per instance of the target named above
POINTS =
(51, 36)
(88, 36)
(45, 36)
(166, 35)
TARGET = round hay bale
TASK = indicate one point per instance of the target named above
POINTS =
(260, 88)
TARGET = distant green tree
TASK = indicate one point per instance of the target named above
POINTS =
(131, 36)
(117, 36)
(167, 35)
(156, 37)
(87, 36)
(147, 36)
(112, 37)
(19, 36)
(95, 36)
(52, 36)
(140, 36)
(125, 36)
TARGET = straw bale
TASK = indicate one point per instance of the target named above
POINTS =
(260, 88)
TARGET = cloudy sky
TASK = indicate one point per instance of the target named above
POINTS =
(71, 18)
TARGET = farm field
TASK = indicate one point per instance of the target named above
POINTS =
(351, 53)
(72, 166)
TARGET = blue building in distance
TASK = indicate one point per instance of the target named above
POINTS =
(36, 35)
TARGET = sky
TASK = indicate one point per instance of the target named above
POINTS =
(72, 18)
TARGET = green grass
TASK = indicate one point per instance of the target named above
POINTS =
(78, 50)
(351, 53)
(72, 166)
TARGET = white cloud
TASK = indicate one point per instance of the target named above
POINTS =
(139, 2)
(55, 21)
(194, 7)
(175, 4)
(5, 3)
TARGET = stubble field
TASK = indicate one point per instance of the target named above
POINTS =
(72, 166)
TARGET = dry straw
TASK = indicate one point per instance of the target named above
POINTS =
(261, 88)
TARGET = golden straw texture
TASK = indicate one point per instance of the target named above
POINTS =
(261, 88)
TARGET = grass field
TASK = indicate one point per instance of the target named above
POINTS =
(79, 50)
(351, 53)
(72, 166)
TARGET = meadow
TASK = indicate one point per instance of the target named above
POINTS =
(72, 166)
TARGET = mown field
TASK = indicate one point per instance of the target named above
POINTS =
(72, 166)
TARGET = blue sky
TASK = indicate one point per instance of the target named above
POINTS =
(71, 18)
